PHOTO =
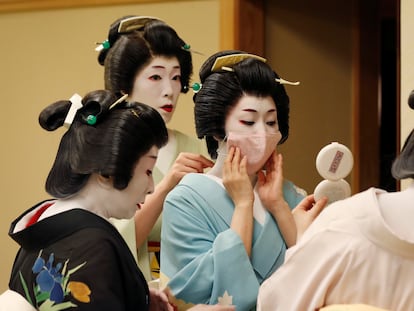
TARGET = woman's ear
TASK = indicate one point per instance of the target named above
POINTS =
(105, 182)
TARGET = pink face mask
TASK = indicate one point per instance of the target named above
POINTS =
(256, 147)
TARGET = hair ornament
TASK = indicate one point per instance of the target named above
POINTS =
(103, 45)
(231, 60)
(227, 68)
(118, 101)
(283, 81)
(187, 47)
(224, 62)
(91, 119)
(76, 104)
(135, 23)
(135, 113)
(196, 87)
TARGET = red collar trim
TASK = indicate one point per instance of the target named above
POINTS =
(37, 215)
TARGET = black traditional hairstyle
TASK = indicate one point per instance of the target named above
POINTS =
(403, 166)
(222, 89)
(110, 147)
(130, 51)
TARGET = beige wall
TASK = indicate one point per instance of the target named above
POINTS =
(49, 55)
(407, 70)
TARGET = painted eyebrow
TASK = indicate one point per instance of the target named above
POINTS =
(253, 110)
(163, 67)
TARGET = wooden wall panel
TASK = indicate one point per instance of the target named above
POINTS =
(242, 25)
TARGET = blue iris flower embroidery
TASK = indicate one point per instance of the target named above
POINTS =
(49, 278)
(52, 285)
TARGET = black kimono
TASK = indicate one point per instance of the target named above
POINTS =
(75, 260)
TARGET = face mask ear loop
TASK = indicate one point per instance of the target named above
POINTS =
(222, 147)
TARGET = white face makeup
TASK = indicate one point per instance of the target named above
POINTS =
(158, 85)
(139, 186)
(253, 115)
(251, 125)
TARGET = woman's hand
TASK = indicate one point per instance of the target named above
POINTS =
(270, 184)
(147, 216)
(199, 307)
(235, 179)
(270, 190)
(240, 189)
(185, 163)
(159, 301)
(306, 212)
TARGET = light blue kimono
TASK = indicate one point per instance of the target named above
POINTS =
(202, 259)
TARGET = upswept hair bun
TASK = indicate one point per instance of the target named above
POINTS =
(113, 36)
(94, 103)
(109, 146)
(222, 89)
(129, 52)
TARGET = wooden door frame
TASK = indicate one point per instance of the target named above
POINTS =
(366, 101)
(365, 71)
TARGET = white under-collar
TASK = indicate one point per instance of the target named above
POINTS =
(259, 211)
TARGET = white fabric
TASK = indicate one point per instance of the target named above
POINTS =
(349, 255)
(353, 307)
(13, 301)
(259, 211)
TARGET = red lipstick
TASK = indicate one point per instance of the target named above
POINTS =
(167, 108)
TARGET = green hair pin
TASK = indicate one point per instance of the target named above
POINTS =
(196, 87)
(187, 47)
(103, 45)
(91, 119)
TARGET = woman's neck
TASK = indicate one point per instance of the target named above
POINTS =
(92, 197)
(167, 154)
(217, 169)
